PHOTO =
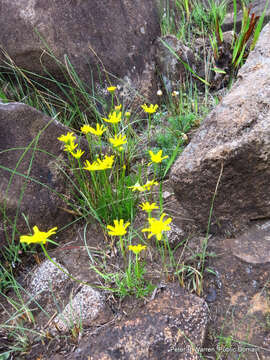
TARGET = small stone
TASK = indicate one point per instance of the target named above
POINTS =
(87, 306)
(211, 296)
(46, 278)
(166, 195)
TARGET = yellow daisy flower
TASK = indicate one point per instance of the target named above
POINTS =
(150, 109)
(157, 158)
(118, 141)
(157, 227)
(111, 89)
(119, 228)
(136, 249)
(70, 147)
(39, 237)
(149, 184)
(91, 167)
(68, 138)
(98, 131)
(99, 164)
(107, 161)
(137, 187)
(78, 154)
(148, 207)
(114, 117)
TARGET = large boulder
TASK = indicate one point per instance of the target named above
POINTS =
(114, 35)
(233, 143)
(30, 161)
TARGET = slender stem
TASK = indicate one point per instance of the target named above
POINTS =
(137, 267)
(123, 248)
(149, 127)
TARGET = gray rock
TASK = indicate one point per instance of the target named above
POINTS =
(253, 246)
(234, 143)
(115, 36)
(46, 278)
(86, 308)
(31, 179)
(164, 329)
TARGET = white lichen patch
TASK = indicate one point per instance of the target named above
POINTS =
(175, 235)
(46, 278)
(81, 310)
(28, 12)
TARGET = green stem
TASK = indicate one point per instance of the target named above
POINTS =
(122, 248)
(137, 267)
(149, 127)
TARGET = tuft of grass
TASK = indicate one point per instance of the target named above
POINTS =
(188, 18)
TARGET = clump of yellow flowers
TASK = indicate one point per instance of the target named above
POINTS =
(105, 182)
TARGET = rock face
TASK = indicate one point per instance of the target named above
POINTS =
(30, 177)
(115, 35)
(234, 143)
(253, 246)
(172, 326)
(172, 72)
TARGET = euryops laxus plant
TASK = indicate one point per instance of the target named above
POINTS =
(112, 194)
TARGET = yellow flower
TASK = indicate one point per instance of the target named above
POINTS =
(68, 138)
(157, 158)
(107, 162)
(119, 228)
(158, 226)
(149, 184)
(39, 237)
(118, 107)
(91, 167)
(98, 131)
(70, 147)
(148, 207)
(78, 154)
(150, 109)
(114, 117)
(136, 249)
(99, 164)
(137, 187)
(127, 114)
(111, 89)
(118, 141)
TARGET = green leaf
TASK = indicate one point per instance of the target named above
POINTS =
(259, 27)
(217, 70)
